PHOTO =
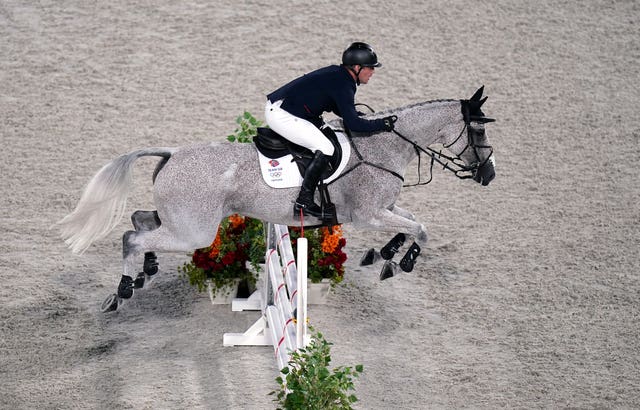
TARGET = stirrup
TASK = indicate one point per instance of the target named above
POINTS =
(307, 209)
(326, 214)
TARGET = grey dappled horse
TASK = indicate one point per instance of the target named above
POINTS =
(195, 187)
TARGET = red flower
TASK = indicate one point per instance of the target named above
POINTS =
(229, 258)
(201, 259)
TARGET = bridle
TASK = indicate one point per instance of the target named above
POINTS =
(454, 164)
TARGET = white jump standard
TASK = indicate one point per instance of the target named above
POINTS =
(282, 298)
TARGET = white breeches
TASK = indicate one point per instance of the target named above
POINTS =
(295, 129)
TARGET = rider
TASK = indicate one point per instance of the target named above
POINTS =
(295, 112)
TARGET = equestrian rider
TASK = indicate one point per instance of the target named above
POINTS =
(295, 112)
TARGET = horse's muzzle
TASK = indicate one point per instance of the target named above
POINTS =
(485, 173)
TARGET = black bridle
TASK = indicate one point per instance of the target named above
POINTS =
(454, 164)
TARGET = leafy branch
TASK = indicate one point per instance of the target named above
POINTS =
(247, 128)
(309, 384)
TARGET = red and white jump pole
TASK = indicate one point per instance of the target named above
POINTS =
(282, 301)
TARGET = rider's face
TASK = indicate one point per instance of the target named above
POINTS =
(365, 74)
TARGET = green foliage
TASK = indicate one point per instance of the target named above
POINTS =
(247, 128)
(309, 384)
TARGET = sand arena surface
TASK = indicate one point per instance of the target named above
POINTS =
(525, 297)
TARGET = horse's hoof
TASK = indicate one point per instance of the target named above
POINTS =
(138, 283)
(409, 259)
(392, 247)
(110, 304)
(150, 266)
(369, 257)
(388, 270)
(125, 288)
(406, 265)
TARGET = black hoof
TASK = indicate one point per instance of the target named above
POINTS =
(369, 257)
(409, 259)
(388, 270)
(125, 288)
(138, 283)
(110, 304)
(392, 247)
(150, 266)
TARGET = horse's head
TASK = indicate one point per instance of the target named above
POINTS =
(477, 154)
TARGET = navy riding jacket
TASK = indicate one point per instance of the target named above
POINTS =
(329, 89)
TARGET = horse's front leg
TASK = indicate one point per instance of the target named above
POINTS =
(393, 246)
(388, 221)
(402, 212)
(388, 251)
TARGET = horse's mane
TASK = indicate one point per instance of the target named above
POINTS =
(414, 105)
(395, 111)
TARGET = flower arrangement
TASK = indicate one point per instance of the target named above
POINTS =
(239, 248)
(326, 256)
(234, 254)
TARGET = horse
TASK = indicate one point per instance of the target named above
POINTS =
(196, 186)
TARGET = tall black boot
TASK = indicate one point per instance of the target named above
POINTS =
(312, 176)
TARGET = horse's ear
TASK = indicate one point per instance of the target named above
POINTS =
(482, 101)
(477, 95)
(481, 119)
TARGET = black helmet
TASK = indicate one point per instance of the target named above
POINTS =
(360, 54)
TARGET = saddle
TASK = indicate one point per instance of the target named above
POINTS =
(272, 145)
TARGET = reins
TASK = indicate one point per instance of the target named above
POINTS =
(362, 161)
(450, 163)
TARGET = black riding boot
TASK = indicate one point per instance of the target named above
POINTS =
(311, 178)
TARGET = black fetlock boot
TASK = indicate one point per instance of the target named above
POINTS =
(312, 176)
(125, 287)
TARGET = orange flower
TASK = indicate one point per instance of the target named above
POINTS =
(215, 245)
(330, 240)
(235, 220)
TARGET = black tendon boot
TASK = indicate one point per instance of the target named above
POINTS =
(311, 178)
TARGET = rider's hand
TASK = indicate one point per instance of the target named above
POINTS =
(389, 122)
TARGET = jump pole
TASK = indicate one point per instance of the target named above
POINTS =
(284, 289)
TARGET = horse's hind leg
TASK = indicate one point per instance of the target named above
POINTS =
(143, 221)
(147, 221)
(148, 241)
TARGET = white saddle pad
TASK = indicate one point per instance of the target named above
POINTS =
(284, 173)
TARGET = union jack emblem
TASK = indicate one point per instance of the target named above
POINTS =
(274, 163)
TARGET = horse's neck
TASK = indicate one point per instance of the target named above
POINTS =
(423, 124)
(419, 123)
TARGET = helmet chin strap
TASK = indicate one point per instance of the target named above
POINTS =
(357, 74)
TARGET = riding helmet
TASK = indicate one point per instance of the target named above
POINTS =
(360, 54)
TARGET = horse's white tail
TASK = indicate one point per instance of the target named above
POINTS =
(103, 201)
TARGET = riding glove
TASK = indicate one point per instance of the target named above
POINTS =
(389, 122)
